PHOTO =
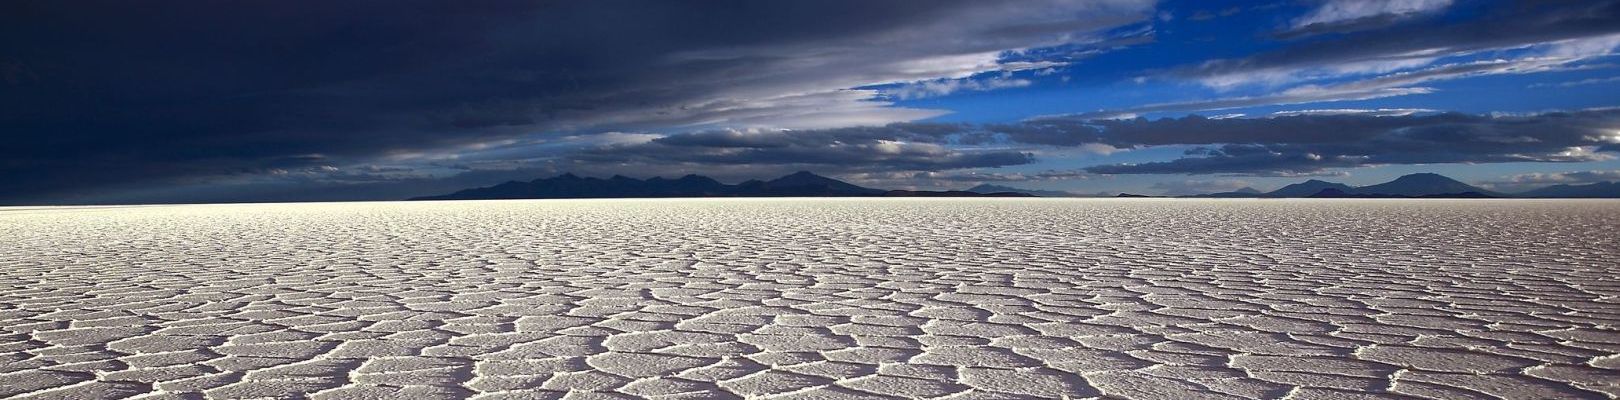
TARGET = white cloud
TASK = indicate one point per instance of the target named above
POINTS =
(1274, 77)
(1297, 95)
(1379, 112)
(1583, 82)
(1342, 11)
(1582, 47)
(812, 84)
(1508, 58)
(936, 88)
(1546, 57)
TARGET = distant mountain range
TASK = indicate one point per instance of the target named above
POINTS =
(1422, 185)
(1597, 190)
(799, 184)
(806, 184)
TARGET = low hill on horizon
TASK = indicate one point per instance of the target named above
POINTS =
(987, 188)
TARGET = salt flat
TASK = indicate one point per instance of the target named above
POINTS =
(815, 298)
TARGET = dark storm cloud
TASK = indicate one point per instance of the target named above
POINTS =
(1297, 129)
(1195, 130)
(1052, 132)
(1311, 143)
(97, 94)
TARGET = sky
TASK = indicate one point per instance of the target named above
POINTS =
(117, 102)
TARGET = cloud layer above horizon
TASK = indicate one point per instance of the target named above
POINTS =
(207, 101)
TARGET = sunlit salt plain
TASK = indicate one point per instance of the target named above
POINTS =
(814, 298)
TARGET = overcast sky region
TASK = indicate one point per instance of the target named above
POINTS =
(207, 101)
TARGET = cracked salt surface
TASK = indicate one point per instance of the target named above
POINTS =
(822, 298)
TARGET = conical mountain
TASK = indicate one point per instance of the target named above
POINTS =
(812, 184)
(1421, 184)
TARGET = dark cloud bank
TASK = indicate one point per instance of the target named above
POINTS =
(1259, 146)
(100, 97)
(103, 94)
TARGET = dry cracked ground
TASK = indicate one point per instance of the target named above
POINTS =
(803, 299)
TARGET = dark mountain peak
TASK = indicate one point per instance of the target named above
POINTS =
(569, 176)
(1421, 184)
(1247, 190)
(695, 178)
(622, 178)
(802, 177)
(1425, 177)
(806, 183)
